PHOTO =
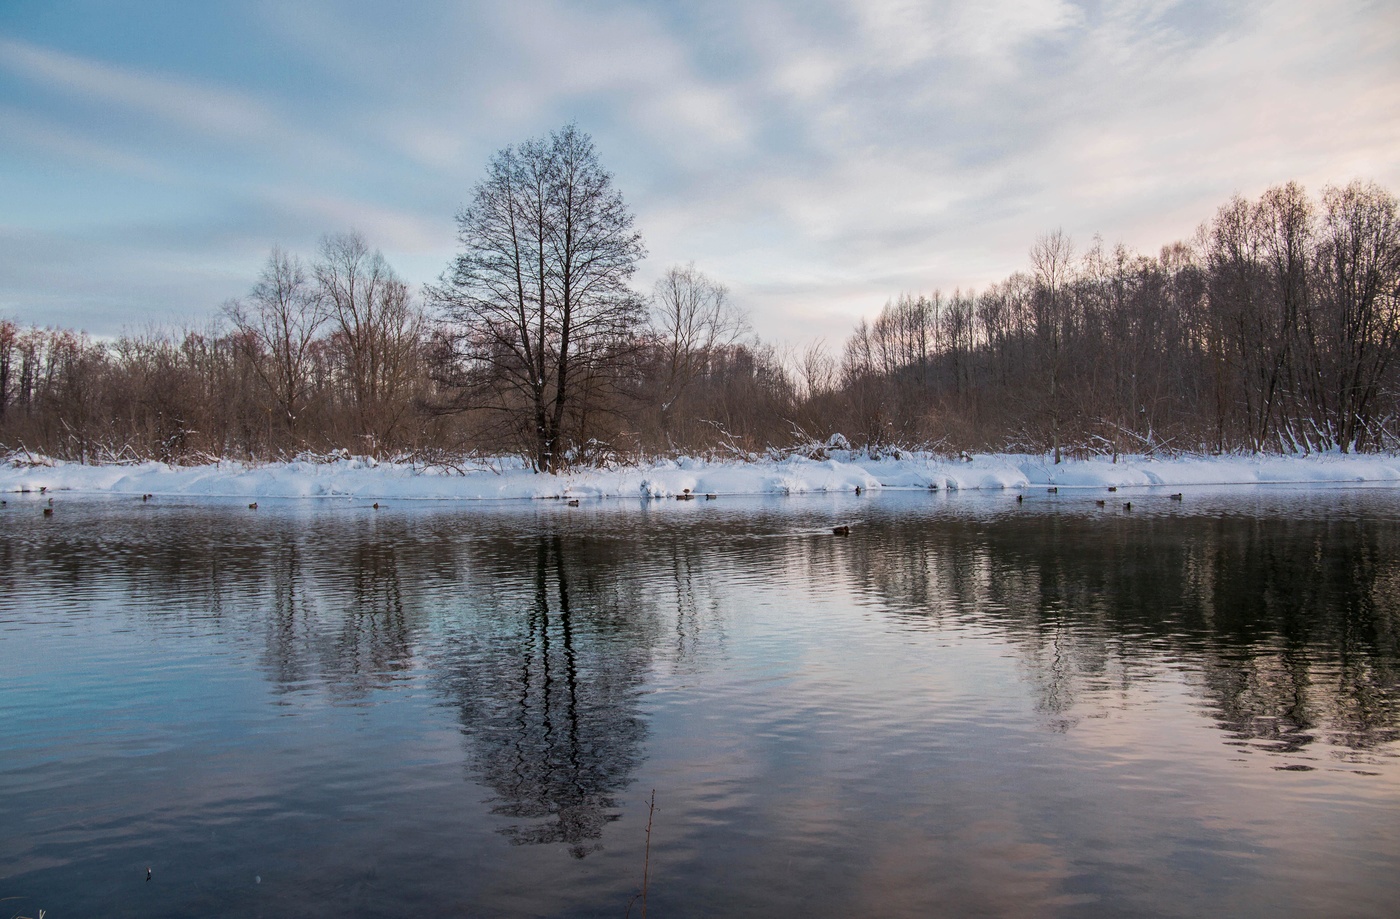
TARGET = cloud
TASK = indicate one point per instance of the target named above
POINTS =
(934, 144)
(104, 283)
(818, 158)
(906, 34)
(214, 112)
(522, 70)
(131, 114)
(387, 228)
(24, 132)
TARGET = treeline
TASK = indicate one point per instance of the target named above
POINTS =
(1275, 328)
(316, 358)
(336, 356)
(309, 365)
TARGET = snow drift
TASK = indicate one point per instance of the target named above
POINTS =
(509, 479)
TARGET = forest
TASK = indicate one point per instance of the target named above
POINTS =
(1274, 328)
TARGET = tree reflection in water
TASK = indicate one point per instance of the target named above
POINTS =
(342, 619)
(540, 633)
(541, 642)
(547, 682)
(545, 644)
(1289, 626)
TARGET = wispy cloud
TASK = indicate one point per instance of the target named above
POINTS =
(111, 107)
(216, 112)
(936, 142)
(22, 131)
(908, 34)
(394, 229)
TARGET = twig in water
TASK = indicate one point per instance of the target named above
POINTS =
(646, 862)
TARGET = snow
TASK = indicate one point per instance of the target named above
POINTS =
(509, 479)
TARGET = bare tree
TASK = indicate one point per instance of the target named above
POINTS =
(696, 320)
(816, 370)
(9, 339)
(377, 331)
(277, 327)
(1284, 222)
(538, 298)
(1051, 258)
(1359, 276)
(957, 331)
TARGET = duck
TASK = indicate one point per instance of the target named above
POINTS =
(253, 506)
(1176, 497)
(842, 530)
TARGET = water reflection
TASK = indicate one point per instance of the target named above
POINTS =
(540, 642)
(986, 687)
(542, 633)
(1287, 624)
(546, 671)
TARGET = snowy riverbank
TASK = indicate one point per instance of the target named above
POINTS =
(363, 478)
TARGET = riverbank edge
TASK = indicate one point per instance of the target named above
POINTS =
(843, 471)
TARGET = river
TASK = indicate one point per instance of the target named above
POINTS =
(967, 706)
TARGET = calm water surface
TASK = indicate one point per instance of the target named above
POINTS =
(967, 707)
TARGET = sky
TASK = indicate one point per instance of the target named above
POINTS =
(818, 158)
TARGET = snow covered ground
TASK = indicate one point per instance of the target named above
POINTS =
(507, 479)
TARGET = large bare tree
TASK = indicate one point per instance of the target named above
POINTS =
(538, 299)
